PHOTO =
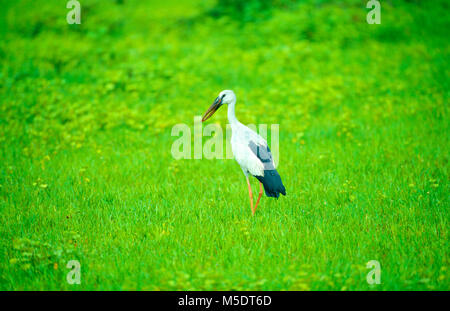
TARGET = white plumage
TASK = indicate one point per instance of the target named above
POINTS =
(241, 136)
(250, 150)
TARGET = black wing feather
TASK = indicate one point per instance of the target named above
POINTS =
(271, 180)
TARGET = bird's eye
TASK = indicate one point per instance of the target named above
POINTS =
(223, 95)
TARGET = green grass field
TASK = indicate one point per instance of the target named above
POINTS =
(86, 170)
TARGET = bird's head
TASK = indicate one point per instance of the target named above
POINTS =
(225, 97)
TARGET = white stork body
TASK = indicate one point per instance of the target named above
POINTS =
(241, 136)
(250, 151)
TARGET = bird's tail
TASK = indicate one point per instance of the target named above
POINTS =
(272, 183)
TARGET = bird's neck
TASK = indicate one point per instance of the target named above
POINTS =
(231, 114)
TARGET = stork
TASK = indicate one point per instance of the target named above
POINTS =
(250, 151)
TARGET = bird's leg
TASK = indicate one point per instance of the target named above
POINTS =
(259, 197)
(251, 195)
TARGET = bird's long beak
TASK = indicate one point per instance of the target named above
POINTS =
(213, 108)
